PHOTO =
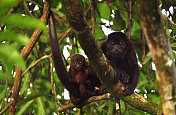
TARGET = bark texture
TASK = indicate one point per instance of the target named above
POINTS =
(160, 49)
(104, 70)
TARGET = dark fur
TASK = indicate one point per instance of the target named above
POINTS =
(82, 74)
(121, 54)
(58, 62)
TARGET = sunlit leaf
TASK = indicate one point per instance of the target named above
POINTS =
(18, 20)
(24, 107)
(173, 45)
(104, 11)
(11, 36)
(99, 32)
(41, 106)
(6, 4)
(10, 55)
(134, 28)
(174, 29)
(147, 58)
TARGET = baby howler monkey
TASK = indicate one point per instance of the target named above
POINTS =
(84, 75)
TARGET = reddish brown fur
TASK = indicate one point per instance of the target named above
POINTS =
(85, 76)
(81, 76)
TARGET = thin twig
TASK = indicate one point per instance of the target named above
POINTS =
(65, 34)
(143, 44)
(52, 84)
(35, 3)
(5, 109)
(92, 16)
(31, 66)
(27, 9)
(129, 3)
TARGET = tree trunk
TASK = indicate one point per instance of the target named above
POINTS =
(161, 53)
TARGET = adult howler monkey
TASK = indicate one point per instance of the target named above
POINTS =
(121, 54)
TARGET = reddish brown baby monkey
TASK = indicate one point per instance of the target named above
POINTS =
(79, 73)
(84, 76)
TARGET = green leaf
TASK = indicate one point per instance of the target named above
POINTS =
(104, 10)
(147, 58)
(111, 106)
(135, 27)
(124, 15)
(174, 29)
(99, 32)
(25, 84)
(2, 93)
(41, 106)
(174, 54)
(18, 20)
(24, 107)
(3, 80)
(173, 45)
(118, 22)
(6, 4)
(10, 57)
(11, 36)
(30, 98)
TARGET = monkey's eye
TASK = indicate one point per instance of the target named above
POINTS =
(112, 43)
(75, 63)
(120, 43)
(80, 62)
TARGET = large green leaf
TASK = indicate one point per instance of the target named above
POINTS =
(99, 32)
(41, 106)
(104, 10)
(6, 4)
(9, 57)
(17, 20)
(11, 36)
(118, 22)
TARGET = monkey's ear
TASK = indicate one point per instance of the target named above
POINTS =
(104, 47)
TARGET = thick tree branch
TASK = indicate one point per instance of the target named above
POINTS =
(92, 99)
(79, 24)
(161, 53)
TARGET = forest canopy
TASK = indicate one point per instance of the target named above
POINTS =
(29, 83)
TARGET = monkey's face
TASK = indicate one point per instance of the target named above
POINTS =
(116, 48)
(78, 65)
(78, 62)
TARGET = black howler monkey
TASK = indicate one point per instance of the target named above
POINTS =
(121, 54)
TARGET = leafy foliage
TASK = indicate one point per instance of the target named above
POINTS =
(35, 92)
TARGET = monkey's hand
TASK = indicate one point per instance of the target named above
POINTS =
(129, 89)
(124, 77)
(72, 80)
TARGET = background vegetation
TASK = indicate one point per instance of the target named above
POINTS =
(24, 29)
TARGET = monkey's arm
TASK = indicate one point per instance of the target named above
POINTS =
(134, 76)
